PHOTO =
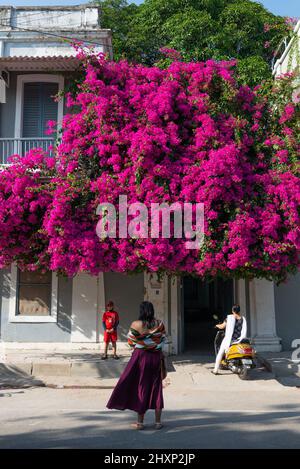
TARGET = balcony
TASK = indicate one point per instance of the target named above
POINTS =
(285, 58)
(20, 146)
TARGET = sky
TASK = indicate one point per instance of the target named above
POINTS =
(279, 7)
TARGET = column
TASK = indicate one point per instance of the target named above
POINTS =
(262, 312)
(157, 292)
(240, 294)
(175, 313)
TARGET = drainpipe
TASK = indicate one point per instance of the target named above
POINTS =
(248, 312)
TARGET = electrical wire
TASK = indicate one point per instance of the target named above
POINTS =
(36, 19)
(30, 15)
(65, 7)
(71, 39)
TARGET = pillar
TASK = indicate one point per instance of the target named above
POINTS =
(262, 314)
(157, 290)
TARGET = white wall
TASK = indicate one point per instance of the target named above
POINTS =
(84, 308)
(127, 292)
(287, 307)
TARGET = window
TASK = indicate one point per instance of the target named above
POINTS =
(35, 104)
(34, 294)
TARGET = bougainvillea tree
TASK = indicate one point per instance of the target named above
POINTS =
(188, 133)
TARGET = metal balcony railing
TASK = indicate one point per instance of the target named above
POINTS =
(20, 146)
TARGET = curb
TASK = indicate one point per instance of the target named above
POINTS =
(60, 375)
(286, 369)
(89, 369)
(263, 361)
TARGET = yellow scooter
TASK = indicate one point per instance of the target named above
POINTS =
(239, 358)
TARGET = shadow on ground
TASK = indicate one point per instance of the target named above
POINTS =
(289, 381)
(259, 373)
(277, 427)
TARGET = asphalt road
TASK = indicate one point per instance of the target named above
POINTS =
(201, 411)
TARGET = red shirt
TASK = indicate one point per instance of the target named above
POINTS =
(110, 319)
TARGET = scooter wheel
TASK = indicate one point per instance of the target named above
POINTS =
(243, 373)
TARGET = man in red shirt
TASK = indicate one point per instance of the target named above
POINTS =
(110, 321)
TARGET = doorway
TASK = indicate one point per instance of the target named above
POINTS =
(202, 300)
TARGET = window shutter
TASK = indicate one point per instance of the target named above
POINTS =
(49, 106)
(38, 108)
(31, 111)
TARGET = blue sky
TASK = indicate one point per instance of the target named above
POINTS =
(279, 7)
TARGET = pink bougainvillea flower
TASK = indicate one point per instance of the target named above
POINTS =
(186, 134)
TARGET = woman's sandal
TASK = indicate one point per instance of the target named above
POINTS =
(138, 426)
(158, 426)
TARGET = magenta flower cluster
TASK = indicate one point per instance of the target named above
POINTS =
(188, 133)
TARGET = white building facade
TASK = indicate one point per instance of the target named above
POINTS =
(46, 310)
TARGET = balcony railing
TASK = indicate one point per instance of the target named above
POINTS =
(20, 146)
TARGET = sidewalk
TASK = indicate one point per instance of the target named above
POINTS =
(83, 367)
(26, 365)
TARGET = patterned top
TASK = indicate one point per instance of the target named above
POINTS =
(150, 341)
(237, 329)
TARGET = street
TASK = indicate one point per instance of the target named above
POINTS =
(201, 411)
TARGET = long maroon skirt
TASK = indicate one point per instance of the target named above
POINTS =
(140, 385)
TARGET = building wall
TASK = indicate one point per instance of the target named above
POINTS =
(36, 332)
(287, 308)
(8, 110)
(80, 17)
(78, 22)
(127, 292)
(85, 306)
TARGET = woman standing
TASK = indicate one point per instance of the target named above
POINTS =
(140, 385)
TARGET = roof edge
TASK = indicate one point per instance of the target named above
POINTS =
(81, 6)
